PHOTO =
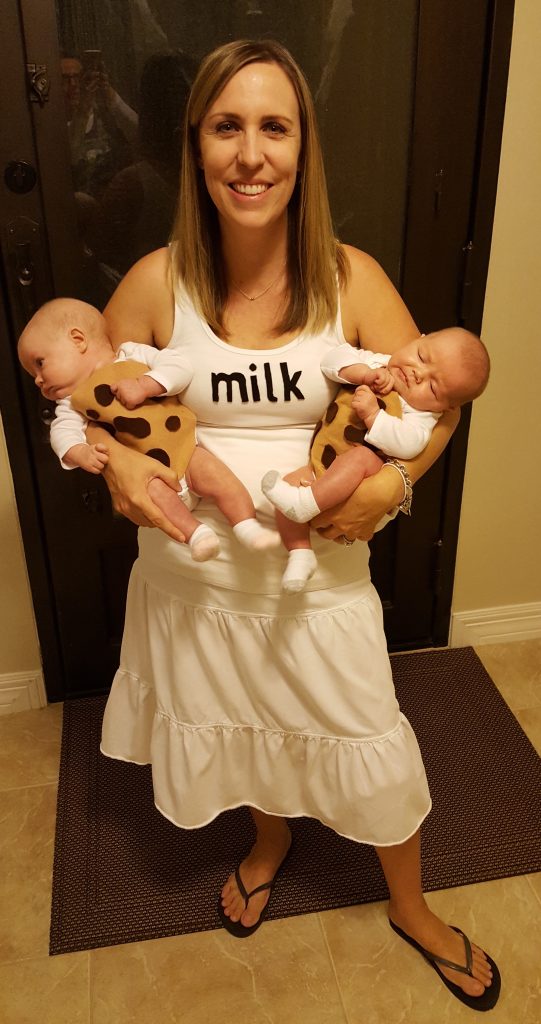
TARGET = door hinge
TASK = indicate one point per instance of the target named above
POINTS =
(39, 83)
(437, 565)
(467, 282)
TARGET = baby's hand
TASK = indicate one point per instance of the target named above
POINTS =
(130, 392)
(92, 457)
(365, 405)
(383, 381)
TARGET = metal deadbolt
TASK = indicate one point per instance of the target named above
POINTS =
(20, 177)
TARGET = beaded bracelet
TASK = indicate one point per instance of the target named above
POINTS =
(405, 504)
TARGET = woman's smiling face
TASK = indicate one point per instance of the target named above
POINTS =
(250, 144)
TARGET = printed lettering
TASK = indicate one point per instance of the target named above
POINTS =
(290, 383)
(240, 390)
(268, 380)
(255, 386)
(229, 379)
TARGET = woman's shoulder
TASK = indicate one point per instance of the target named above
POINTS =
(373, 313)
(362, 269)
(142, 308)
(153, 269)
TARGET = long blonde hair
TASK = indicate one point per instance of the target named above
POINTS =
(315, 258)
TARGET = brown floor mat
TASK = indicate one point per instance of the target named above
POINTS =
(123, 873)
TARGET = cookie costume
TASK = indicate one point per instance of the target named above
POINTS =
(162, 429)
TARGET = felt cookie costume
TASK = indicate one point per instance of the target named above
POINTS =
(161, 428)
(341, 429)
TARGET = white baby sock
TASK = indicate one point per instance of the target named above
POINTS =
(301, 565)
(252, 535)
(203, 544)
(297, 503)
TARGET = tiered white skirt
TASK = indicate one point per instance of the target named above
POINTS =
(281, 703)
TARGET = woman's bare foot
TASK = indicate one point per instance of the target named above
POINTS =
(259, 867)
(436, 937)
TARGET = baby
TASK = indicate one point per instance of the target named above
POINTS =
(431, 374)
(66, 349)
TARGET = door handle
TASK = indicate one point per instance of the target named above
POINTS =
(23, 238)
(47, 415)
(23, 264)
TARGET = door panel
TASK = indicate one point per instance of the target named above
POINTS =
(394, 111)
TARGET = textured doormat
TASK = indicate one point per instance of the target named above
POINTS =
(123, 873)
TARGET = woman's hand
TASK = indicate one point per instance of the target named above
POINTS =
(357, 517)
(128, 474)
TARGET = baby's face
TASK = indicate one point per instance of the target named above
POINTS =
(58, 365)
(427, 372)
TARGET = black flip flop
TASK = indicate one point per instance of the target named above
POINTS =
(490, 996)
(235, 928)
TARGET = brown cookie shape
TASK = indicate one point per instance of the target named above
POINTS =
(341, 429)
(161, 428)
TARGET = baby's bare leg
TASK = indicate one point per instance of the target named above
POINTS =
(344, 475)
(295, 535)
(203, 542)
(339, 481)
(208, 477)
(302, 562)
(171, 505)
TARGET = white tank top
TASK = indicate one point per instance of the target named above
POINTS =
(256, 410)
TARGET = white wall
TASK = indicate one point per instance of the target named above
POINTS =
(20, 664)
(499, 563)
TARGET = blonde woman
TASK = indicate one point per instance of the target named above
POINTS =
(230, 688)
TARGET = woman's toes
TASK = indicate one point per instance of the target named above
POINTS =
(253, 911)
(482, 969)
(482, 975)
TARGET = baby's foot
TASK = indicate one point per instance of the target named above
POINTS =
(301, 565)
(252, 535)
(203, 544)
(297, 503)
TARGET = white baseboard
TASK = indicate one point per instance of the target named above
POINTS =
(21, 691)
(496, 625)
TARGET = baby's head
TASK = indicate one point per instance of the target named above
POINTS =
(440, 371)
(64, 342)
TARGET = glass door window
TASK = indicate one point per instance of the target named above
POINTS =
(126, 69)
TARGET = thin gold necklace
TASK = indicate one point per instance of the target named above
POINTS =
(252, 298)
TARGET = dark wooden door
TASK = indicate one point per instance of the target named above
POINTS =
(403, 97)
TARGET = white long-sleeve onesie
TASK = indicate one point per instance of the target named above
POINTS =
(402, 438)
(167, 366)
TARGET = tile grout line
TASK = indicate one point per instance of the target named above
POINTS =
(31, 785)
(40, 956)
(533, 889)
(90, 1007)
(333, 965)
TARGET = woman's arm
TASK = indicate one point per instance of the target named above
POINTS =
(142, 307)
(140, 310)
(128, 474)
(358, 517)
(374, 316)
(373, 313)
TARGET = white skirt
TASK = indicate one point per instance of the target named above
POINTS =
(285, 704)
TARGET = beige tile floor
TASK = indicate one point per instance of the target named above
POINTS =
(339, 967)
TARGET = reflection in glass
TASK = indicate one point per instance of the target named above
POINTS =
(136, 211)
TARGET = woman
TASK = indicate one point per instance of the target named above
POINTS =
(227, 686)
